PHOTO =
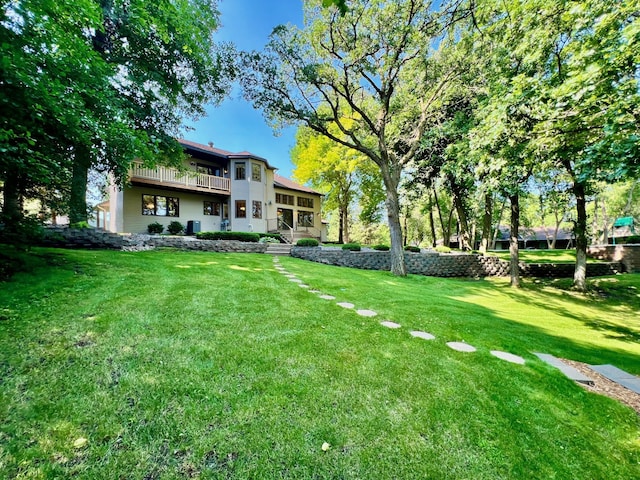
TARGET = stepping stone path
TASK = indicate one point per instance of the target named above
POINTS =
(423, 335)
(345, 304)
(509, 357)
(390, 324)
(295, 280)
(568, 370)
(314, 291)
(619, 376)
(290, 275)
(327, 297)
(303, 285)
(366, 313)
(461, 347)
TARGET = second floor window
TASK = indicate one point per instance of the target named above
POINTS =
(241, 171)
(305, 202)
(256, 172)
(284, 199)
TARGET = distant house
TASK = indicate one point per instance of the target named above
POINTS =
(623, 228)
(536, 238)
(219, 190)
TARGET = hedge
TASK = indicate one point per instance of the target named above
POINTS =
(240, 236)
(354, 247)
(307, 242)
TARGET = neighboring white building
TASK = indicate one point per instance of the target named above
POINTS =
(221, 190)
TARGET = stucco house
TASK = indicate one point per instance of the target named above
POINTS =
(220, 190)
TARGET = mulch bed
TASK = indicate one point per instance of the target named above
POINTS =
(604, 386)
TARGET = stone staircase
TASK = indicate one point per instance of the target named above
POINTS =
(281, 249)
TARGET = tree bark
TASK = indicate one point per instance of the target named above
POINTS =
(461, 212)
(78, 197)
(11, 210)
(580, 230)
(486, 222)
(432, 225)
(497, 230)
(445, 229)
(391, 181)
(514, 270)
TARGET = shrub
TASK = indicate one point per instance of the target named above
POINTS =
(633, 239)
(381, 248)
(79, 225)
(240, 236)
(155, 227)
(275, 236)
(411, 248)
(269, 239)
(307, 242)
(354, 247)
(442, 249)
(23, 233)
(175, 228)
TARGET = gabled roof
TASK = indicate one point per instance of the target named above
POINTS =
(282, 182)
(623, 222)
(189, 145)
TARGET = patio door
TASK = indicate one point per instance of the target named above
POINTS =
(285, 218)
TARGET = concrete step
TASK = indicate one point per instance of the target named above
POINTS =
(568, 370)
(279, 249)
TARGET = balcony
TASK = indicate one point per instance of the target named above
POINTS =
(189, 181)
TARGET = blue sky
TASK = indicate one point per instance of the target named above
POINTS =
(235, 125)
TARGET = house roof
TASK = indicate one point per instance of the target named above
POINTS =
(623, 222)
(283, 182)
(221, 153)
(537, 233)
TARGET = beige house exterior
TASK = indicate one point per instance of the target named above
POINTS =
(219, 190)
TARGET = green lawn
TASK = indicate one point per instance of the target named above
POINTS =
(541, 256)
(177, 365)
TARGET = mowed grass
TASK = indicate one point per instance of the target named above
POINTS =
(541, 256)
(179, 365)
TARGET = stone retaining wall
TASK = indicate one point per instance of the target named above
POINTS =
(627, 255)
(446, 265)
(63, 237)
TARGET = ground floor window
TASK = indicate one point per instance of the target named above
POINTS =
(212, 208)
(241, 209)
(305, 219)
(160, 206)
(257, 209)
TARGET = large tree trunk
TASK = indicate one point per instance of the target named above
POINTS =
(432, 225)
(78, 197)
(486, 222)
(513, 240)
(391, 181)
(461, 212)
(497, 230)
(445, 228)
(580, 274)
(12, 209)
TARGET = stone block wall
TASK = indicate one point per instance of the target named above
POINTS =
(627, 255)
(63, 237)
(445, 265)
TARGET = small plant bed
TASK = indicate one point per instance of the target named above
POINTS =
(239, 236)
(171, 364)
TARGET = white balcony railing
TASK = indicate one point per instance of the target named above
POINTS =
(171, 176)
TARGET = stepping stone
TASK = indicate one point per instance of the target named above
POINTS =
(345, 304)
(509, 357)
(461, 347)
(572, 373)
(423, 335)
(390, 324)
(302, 285)
(327, 297)
(290, 275)
(619, 376)
(314, 291)
(295, 280)
(366, 313)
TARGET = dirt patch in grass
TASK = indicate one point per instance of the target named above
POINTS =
(604, 386)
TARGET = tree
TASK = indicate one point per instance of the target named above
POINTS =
(97, 84)
(343, 174)
(376, 64)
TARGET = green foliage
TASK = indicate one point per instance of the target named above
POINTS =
(22, 234)
(175, 228)
(353, 247)
(240, 236)
(633, 239)
(80, 225)
(269, 239)
(155, 228)
(274, 236)
(307, 242)
(411, 248)
(381, 248)
(442, 249)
